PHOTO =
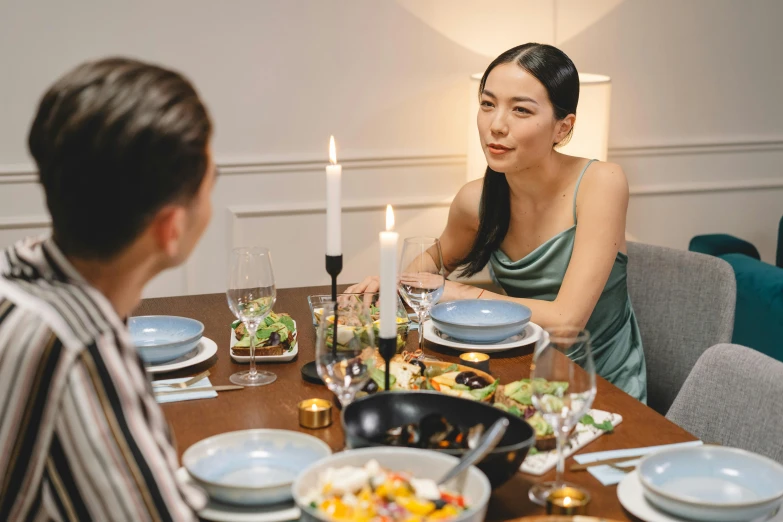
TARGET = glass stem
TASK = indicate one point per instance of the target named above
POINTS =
(252, 331)
(561, 437)
(420, 316)
(346, 398)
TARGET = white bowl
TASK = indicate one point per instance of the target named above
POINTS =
(712, 483)
(252, 467)
(420, 463)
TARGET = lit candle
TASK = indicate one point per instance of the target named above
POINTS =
(334, 173)
(388, 298)
(567, 501)
(315, 413)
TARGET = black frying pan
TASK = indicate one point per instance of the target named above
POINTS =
(368, 418)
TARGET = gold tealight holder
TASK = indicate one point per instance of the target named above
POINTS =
(567, 501)
(477, 360)
(315, 413)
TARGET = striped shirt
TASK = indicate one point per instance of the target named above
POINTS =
(81, 436)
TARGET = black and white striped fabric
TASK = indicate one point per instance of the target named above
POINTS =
(81, 436)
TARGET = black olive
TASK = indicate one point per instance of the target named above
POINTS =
(464, 377)
(474, 383)
(420, 365)
(370, 387)
(274, 339)
(440, 503)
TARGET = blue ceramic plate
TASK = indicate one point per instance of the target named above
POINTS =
(479, 320)
(252, 467)
(712, 483)
(162, 338)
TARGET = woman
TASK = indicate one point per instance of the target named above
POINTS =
(551, 226)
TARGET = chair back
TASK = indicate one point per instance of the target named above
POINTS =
(732, 397)
(684, 303)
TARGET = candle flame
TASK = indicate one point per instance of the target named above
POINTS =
(314, 407)
(566, 501)
(332, 151)
(389, 218)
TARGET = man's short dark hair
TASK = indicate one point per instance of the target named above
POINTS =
(115, 140)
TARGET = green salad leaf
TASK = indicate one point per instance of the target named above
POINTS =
(484, 392)
(606, 425)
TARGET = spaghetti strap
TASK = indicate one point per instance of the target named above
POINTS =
(578, 181)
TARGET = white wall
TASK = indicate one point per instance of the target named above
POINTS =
(389, 80)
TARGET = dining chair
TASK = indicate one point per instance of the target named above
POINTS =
(732, 397)
(684, 303)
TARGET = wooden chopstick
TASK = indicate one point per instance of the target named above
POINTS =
(227, 387)
(583, 467)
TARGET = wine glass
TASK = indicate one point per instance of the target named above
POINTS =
(422, 276)
(562, 379)
(345, 366)
(251, 295)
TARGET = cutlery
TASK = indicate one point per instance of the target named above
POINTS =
(185, 384)
(583, 467)
(227, 387)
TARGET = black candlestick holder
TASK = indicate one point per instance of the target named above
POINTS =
(334, 265)
(387, 349)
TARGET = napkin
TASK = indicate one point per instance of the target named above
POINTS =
(176, 397)
(607, 475)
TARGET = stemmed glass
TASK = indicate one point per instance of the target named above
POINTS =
(251, 295)
(345, 368)
(422, 276)
(562, 379)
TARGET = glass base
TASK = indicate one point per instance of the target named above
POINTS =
(540, 492)
(259, 379)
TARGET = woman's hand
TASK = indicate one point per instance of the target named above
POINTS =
(370, 284)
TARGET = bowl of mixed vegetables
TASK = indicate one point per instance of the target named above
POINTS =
(390, 485)
(350, 325)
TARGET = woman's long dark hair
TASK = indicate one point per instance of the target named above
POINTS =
(558, 74)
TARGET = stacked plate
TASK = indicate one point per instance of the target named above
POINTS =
(163, 338)
(707, 483)
(477, 325)
(248, 474)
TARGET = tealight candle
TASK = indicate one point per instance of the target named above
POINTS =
(567, 501)
(477, 360)
(315, 413)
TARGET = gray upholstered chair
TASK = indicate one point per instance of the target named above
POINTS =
(733, 397)
(684, 303)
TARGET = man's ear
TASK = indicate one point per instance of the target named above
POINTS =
(167, 228)
(563, 127)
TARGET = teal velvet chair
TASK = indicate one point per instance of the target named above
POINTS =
(758, 319)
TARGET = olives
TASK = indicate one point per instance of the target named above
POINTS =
(371, 387)
(463, 377)
(274, 339)
(419, 364)
(471, 380)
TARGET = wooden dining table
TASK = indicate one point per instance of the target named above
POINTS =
(275, 405)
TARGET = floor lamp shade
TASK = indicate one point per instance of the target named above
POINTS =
(591, 132)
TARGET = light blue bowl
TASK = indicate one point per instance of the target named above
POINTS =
(712, 483)
(480, 321)
(252, 467)
(162, 338)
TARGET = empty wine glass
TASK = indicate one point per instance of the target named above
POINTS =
(251, 295)
(344, 361)
(422, 276)
(562, 379)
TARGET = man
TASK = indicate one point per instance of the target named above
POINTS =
(123, 152)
